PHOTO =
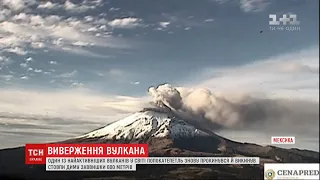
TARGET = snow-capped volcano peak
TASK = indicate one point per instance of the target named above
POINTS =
(146, 124)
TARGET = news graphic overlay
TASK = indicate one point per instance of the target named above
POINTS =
(283, 140)
(269, 174)
(284, 22)
(111, 157)
(304, 171)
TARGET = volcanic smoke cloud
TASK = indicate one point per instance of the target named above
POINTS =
(221, 111)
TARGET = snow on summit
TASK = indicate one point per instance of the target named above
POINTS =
(147, 123)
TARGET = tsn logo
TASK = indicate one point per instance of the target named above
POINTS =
(283, 140)
(35, 154)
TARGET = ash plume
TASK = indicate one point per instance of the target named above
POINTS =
(243, 112)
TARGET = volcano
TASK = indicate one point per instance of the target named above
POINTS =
(167, 135)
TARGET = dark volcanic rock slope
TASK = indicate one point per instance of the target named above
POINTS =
(166, 135)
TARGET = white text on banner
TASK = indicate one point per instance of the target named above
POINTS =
(129, 164)
(86, 164)
(197, 160)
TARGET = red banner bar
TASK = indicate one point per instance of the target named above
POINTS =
(37, 153)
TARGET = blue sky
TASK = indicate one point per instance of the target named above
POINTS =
(98, 58)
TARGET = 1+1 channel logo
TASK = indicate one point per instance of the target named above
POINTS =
(288, 22)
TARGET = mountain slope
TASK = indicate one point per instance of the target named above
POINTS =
(167, 135)
(145, 125)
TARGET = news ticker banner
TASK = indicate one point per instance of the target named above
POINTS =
(111, 157)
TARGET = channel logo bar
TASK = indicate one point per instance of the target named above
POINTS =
(273, 171)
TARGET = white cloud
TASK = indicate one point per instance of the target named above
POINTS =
(181, 21)
(24, 77)
(16, 50)
(116, 72)
(77, 84)
(88, 18)
(114, 9)
(37, 70)
(6, 77)
(11, 41)
(4, 14)
(135, 83)
(33, 111)
(119, 75)
(24, 65)
(81, 51)
(80, 43)
(47, 5)
(254, 5)
(164, 24)
(21, 30)
(4, 60)
(53, 62)
(68, 5)
(79, 104)
(29, 59)
(68, 74)
(58, 42)
(208, 20)
(128, 22)
(16, 5)
(97, 73)
(293, 75)
(92, 29)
